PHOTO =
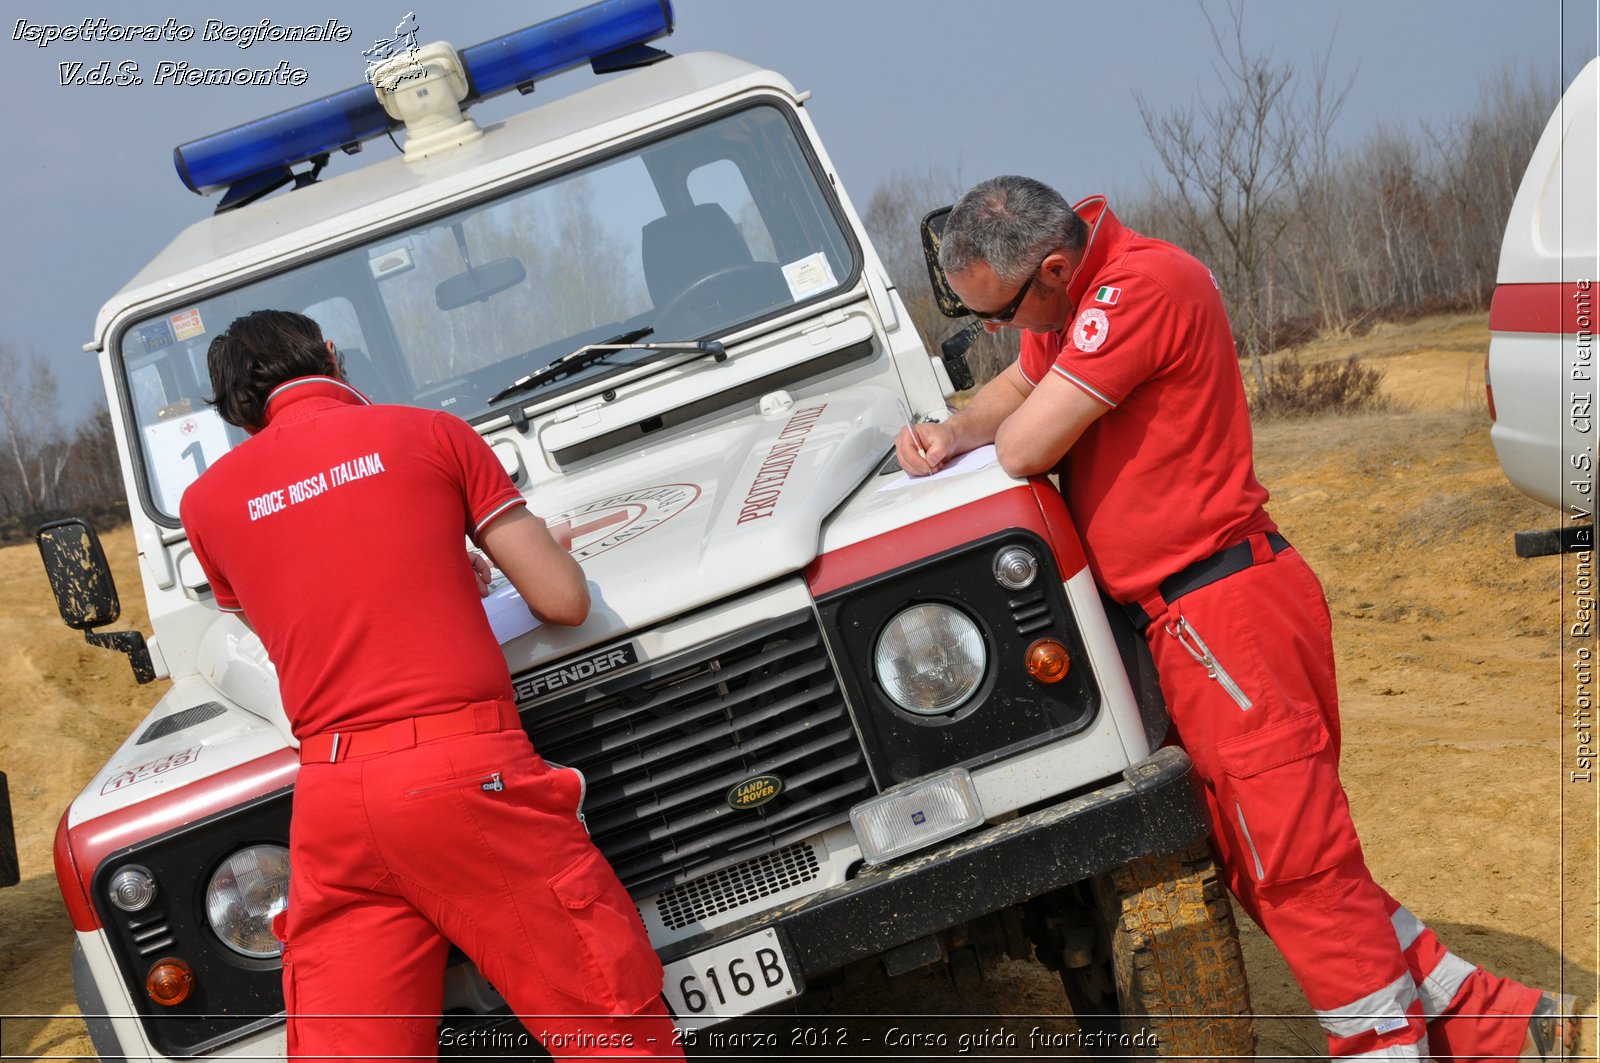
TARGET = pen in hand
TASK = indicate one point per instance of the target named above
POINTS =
(911, 426)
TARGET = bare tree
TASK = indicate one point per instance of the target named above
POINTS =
(94, 477)
(47, 466)
(1232, 162)
(1322, 247)
(29, 429)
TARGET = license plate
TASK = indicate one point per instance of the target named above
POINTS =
(734, 978)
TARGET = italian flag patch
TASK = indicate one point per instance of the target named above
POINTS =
(1107, 295)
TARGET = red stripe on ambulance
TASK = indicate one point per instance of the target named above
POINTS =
(81, 848)
(1554, 308)
(1038, 507)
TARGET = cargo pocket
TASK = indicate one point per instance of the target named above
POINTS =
(1284, 797)
(622, 970)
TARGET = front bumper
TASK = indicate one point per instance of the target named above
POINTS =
(1155, 808)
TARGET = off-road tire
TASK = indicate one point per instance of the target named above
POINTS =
(1175, 956)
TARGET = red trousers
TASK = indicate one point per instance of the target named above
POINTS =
(475, 840)
(1264, 737)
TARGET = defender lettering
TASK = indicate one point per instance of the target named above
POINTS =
(552, 679)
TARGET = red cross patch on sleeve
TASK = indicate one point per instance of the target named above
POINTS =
(1090, 330)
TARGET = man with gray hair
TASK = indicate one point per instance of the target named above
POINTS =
(1128, 384)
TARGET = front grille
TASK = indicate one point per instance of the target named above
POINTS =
(663, 745)
(733, 887)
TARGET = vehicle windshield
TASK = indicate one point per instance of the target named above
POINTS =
(693, 236)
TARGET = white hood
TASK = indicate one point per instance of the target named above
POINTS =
(707, 515)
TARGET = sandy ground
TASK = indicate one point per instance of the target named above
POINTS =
(1456, 680)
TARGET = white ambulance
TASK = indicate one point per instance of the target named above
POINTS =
(1542, 366)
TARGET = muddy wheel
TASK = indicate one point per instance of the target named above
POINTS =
(1150, 960)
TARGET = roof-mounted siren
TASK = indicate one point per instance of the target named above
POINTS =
(253, 159)
(425, 90)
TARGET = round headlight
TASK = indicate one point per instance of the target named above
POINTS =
(1015, 568)
(244, 894)
(930, 659)
(132, 888)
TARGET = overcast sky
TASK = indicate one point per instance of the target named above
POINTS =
(1044, 87)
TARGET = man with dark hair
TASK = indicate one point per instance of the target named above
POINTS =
(1128, 384)
(422, 815)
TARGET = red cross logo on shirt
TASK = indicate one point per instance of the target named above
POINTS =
(1091, 329)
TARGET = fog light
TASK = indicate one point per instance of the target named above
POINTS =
(169, 982)
(914, 815)
(1015, 568)
(1048, 661)
(132, 888)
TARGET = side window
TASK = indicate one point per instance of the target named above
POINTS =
(180, 434)
(721, 183)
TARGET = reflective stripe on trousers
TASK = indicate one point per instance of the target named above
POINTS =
(1380, 1012)
(1440, 985)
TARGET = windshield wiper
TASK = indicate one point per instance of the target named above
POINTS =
(590, 353)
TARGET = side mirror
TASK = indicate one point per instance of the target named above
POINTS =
(953, 352)
(950, 304)
(86, 593)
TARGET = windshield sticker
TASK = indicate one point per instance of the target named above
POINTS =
(808, 275)
(181, 449)
(187, 325)
(610, 522)
(155, 337)
(767, 487)
(151, 769)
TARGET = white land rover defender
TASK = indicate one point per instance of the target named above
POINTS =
(827, 715)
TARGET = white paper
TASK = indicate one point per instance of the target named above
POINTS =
(971, 461)
(509, 615)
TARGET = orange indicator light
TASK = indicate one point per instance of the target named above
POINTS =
(169, 982)
(1048, 661)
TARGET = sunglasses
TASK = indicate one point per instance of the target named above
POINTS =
(1009, 311)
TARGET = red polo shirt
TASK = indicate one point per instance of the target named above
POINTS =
(337, 529)
(1165, 477)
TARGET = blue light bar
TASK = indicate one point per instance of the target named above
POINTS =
(275, 143)
(564, 42)
(281, 140)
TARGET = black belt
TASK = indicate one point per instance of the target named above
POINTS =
(1203, 573)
